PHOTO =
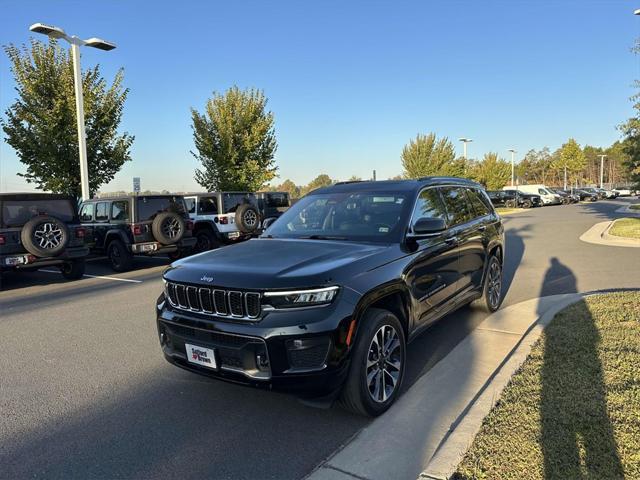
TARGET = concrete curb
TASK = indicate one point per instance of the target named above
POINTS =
(627, 210)
(599, 235)
(453, 448)
(434, 422)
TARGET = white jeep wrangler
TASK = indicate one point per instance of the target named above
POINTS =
(221, 218)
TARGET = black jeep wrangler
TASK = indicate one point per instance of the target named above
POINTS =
(131, 225)
(326, 300)
(272, 204)
(39, 230)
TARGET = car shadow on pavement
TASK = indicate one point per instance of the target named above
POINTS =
(174, 424)
(575, 442)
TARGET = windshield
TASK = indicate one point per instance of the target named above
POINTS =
(19, 212)
(149, 207)
(364, 216)
(231, 201)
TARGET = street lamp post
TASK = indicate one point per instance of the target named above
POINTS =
(76, 43)
(602, 157)
(513, 167)
(464, 145)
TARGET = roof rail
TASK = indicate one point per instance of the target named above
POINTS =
(350, 181)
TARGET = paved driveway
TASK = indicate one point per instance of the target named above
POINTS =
(85, 393)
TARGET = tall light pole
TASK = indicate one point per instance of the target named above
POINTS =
(464, 147)
(602, 157)
(513, 167)
(76, 43)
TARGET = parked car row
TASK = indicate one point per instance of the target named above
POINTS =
(40, 229)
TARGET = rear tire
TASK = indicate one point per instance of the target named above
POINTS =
(73, 270)
(206, 240)
(492, 287)
(120, 258)
(375, 374)
(526, 204)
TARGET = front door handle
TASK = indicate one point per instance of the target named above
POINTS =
(451, 240)
(482, 228)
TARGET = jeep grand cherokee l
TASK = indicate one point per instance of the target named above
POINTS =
(325, 301)
(40, 230)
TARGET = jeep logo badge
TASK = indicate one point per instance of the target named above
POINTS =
(206, 279)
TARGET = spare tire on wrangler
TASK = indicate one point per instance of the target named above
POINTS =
(45, 236)
(247, 218)
(168, 228)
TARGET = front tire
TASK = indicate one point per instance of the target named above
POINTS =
(120, 258)
(377, 364)
(492, 288)
(73, 270)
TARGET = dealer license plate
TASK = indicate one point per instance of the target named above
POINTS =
(201, 355)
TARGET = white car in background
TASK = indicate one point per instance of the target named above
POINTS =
(624, 192)
(547, 195)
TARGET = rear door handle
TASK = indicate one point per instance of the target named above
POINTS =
(451, 240)
(482, 228)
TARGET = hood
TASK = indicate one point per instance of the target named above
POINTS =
(280, 263)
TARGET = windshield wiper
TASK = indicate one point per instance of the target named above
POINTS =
(323, 237)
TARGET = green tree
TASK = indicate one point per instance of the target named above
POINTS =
(291, 188)
(429, 156)
(569, 158)
(493, 172)
(235, 141)
(322, 180)
(41, 124)
(535, 167)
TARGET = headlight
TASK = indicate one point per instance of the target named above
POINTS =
(301, 298)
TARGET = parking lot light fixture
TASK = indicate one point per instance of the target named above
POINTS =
(464, 143)
(75, 42)
(513, 168)
(602, 157)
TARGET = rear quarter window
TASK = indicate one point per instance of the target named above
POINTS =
(149, 207)
(19, 212)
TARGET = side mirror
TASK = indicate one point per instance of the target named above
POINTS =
(267, 222)
(428, 226)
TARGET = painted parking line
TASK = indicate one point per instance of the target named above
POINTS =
(103, 277)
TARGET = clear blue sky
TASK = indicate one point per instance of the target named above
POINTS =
(351, 82)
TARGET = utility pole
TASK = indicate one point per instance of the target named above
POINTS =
(513, 167)
(602, 157)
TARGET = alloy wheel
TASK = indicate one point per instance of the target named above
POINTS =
(48, 235)
(384, 363)
(171, 227)
(495, 284)
(250, 218)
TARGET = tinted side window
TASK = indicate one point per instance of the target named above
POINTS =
(458, 208)
(120, 210)
(86, 214)
(542, 191)
(191, 204)
(476, 199)
(428, 205)
(276, 200)
(101, 211)
(208, 206)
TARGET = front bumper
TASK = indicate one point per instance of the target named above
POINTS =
(33, 262)
(308, 357)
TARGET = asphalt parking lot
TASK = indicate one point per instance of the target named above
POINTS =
(85, 392)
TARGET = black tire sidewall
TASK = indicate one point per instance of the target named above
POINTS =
(371, 322)
(211, 239)
(26, 236)
(125, 257)
(240, 221)
(485, 290)
(73, 269)
(156, 227)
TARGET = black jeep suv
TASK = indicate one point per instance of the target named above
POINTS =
(325, 301)
(137, 225)
(39, 230)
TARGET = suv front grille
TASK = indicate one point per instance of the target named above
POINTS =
(214, 301)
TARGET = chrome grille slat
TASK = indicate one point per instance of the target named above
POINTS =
(215, 301)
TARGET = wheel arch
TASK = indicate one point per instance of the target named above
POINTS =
(394, 298)
(115, 234)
